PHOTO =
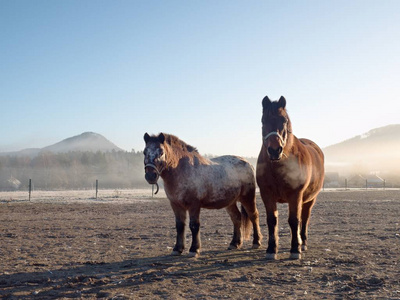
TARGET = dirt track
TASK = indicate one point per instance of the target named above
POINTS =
(117, 248)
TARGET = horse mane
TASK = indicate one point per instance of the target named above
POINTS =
(177, 149)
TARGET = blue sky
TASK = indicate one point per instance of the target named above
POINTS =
(196, 69)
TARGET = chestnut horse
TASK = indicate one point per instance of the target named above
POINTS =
(289, 170)
(192, 182)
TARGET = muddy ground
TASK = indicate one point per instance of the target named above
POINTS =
(117, 247)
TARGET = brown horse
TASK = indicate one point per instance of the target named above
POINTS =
(192, 181)
(289, 170)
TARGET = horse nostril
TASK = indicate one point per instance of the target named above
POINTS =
(270, 151)
(275, 153)
(150, 176)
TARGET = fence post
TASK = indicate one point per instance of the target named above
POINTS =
(30, 189)
(384, 183)
(97, 187)
(345, 183)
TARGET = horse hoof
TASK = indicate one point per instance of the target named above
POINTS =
(304, 248)
(271, 256)
(295, 255)
(176, 253)
(194, 254)
(233, 247)
(256, 246)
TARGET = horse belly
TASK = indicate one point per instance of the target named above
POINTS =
(221, 197)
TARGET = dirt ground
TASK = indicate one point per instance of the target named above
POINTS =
(70, 245)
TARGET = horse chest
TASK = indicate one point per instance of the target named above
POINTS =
(288, 174)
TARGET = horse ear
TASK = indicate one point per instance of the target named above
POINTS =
(266, 102)
(146, 137)
(282, 102)
(161, 138)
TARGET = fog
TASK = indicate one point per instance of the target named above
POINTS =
(67, 165)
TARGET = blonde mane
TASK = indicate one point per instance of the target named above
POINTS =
(176, 149)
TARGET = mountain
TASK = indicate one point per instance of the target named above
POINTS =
(377, 150)
(87, 141)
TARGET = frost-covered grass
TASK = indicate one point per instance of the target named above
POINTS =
(112, 195)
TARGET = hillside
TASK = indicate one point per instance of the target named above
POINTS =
(377, 150)
(87, 141)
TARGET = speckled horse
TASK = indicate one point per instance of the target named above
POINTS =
(192, 182)
(289, 170)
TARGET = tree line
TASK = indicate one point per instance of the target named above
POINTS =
(73, 170)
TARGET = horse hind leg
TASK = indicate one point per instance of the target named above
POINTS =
(194, 226)
(250, 217)
(235, 215)
(305, 220)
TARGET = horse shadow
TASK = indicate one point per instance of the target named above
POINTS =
(102, 280)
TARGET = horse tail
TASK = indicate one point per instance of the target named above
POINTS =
(246, 224)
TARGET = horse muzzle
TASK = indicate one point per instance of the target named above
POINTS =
(152, 174)
(275, 154)
(151, 177)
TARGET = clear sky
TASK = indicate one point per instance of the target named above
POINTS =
(196, 69)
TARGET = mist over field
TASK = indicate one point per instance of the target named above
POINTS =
(77, 162)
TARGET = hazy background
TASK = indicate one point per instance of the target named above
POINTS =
(198, 70)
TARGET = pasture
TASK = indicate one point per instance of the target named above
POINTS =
(70, 245)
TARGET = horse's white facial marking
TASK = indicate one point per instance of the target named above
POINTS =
(153, 153)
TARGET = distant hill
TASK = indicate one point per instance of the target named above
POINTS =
(87, 141)
(377, 150)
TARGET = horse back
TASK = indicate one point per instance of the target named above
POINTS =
(233, 171)
(235, 166)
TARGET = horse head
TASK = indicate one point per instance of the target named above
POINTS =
(276, 127)
(154, 157)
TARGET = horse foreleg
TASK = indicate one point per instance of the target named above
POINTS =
(236, 218)
(305, 220)
(294, 223)
(272, 223)
(194, 226)
(180, 222)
